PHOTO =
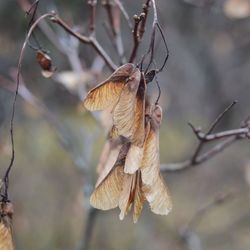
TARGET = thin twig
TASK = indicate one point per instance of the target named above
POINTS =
(217, 120)
(229, 137)
(113, 13)
(92, 19)
(124, 12)
(6, 176)
(139, 29)
(87, 40)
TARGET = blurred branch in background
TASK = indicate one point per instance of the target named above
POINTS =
(187, 232)
(230, 137)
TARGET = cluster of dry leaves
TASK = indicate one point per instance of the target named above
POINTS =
(129, 172)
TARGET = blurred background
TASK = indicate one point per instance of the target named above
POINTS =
(58, 145)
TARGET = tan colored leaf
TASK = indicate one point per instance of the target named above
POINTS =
(139, 116)
(127, 194)
(6, 241)
(133, 159)
(106, 195)
(150, 165)
(124, 111)
(107, 160)
(139, 198)
(107, 93)
(135, 154)
(158, 197)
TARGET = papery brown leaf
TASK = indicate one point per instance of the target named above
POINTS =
(158, 196)
(6, 241)
(45, 63)
(139, 198)
(150, 166)
(124, 111)
(108, 159)
(135, 154)
(108, 92)
(106, 195)
(133, 159)
(127, 194)
(128, 114)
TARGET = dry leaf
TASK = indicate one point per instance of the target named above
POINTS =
(128, 114)
(127, 194)
(158, 197)
(45, 63)
(6, 241)
(107, 93)
(150, 165)
(139, 198)
(108, 159)
(107, 194)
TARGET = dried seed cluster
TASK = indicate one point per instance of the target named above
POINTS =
(128, 170)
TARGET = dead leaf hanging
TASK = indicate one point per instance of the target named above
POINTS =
(45, 63)
(128, 114)
(107, 93)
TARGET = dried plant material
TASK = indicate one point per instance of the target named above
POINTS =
(135, 154)
(6, 211)
(108, 159)
(237, 8)
(139, 198)
(158, 197)
(107, 193)
(128, 114)
(150, 165)
(127, 194)
(108, 92)
(45, 63)
(133, 159)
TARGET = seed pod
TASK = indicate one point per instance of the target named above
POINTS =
(45, 63)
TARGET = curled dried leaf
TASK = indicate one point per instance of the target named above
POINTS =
(108, 92)
(45, 63)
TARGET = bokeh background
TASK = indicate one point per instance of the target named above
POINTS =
(58, 144)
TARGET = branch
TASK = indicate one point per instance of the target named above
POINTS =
(88, 227)
(92, 19)
(113, 13)
(229, 136)
(139, 29)
(87, 40)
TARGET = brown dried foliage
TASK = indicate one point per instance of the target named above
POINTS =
(129, 167)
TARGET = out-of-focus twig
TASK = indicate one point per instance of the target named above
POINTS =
(124, 12)
(229, 136)
(92, 19)
(88, 228)
(113, 13)
(87, 40)
(139, 29)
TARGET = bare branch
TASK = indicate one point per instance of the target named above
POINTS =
(113, 12)
(87, 40)
(139, 29)
(92, 19)
(229, 136)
